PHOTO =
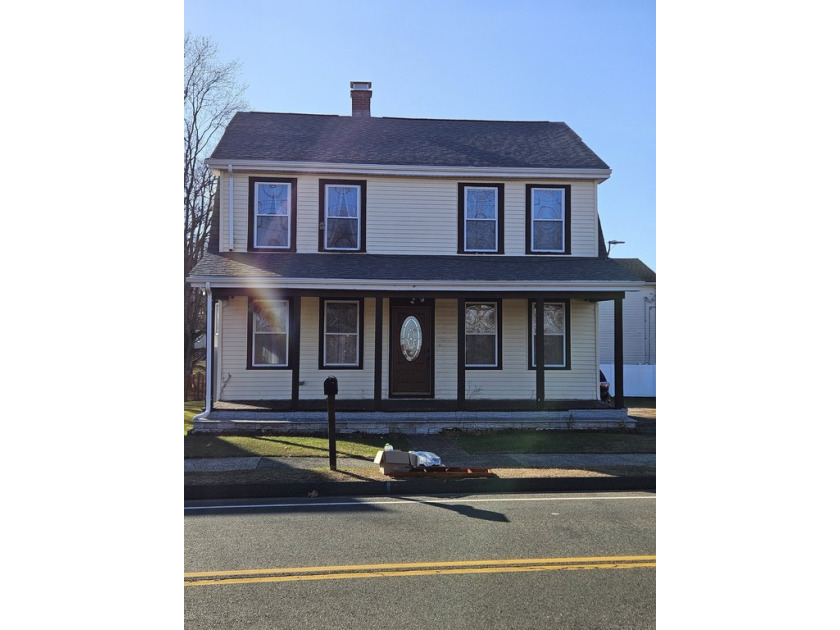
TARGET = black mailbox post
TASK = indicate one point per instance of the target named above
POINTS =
(330, 391)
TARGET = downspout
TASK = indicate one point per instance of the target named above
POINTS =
(208, 372)
(230, 207)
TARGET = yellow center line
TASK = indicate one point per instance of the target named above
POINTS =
(413, 569)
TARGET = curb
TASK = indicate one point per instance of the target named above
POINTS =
(420, 486)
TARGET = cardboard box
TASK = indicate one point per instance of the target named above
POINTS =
(391, 461)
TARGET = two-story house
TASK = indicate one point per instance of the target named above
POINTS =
(444, 271)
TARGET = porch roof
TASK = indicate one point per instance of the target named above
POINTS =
(407, 272)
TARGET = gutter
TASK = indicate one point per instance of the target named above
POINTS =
(411, 170)
(419, 285)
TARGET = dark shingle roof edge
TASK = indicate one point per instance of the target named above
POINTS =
(397, 268)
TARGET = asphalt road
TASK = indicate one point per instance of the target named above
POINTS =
(478, 561)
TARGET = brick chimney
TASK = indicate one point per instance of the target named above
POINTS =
(360, 93)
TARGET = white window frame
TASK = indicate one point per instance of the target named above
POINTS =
(496, 306)
(254, 333)
(288, 215)
(358, 306)
(358, 217)
(562, 221)
(495, 220)
(533, 316)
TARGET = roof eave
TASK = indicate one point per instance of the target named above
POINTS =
(411, 170)
(328, 284)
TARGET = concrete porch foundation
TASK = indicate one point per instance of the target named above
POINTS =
(255, 421)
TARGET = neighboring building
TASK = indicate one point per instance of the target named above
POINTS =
(450, 267)
(639, 333)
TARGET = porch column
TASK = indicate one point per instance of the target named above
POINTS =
(209, 342)
(618, 352)
(295, 352)
(539, 352)
(377, 356)
(462, 375)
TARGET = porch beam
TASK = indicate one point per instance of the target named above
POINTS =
(592, 296)
(618, 351)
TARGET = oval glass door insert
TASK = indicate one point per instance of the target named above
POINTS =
(411, 338)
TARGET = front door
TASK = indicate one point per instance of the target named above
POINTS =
(412, 349)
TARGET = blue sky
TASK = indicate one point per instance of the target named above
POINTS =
(589, 63)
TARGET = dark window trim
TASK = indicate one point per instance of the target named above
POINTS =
(498, 303)
(322, 214)
(500, 217)
(290, 364)
(567, 220)
(322, 325)
(252, 213)
(568, 340)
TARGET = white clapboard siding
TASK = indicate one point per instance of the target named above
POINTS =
(237, 382)
(446, 349)
(412, 215)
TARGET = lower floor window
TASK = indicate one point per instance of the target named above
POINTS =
(269, 333)
(555, 344)
(481, 335)
(341, 345)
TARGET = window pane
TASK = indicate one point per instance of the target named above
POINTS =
(555, 350)
(480, 350)
(342, 201)
(341, 350)
(342, 233)
(273, 199)
(548, 235)
(481, 235)
(272, 231)
(342, 318)
(270, 316)
(269, 349)
(548, 204)
(481, 203)
(481, 318)
(555, 319)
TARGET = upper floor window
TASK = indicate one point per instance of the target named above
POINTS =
(342, 215)
(482, 335)
(480, 218)
(272, 208)
(269, 334)
(341, 333)
(548, 228)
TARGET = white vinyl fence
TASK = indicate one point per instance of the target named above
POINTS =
(639, 380)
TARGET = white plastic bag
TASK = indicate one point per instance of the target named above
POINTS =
(425, 458)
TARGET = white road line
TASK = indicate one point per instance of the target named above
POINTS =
(410, 502)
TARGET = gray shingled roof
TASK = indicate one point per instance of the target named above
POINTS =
(645, 273)
(403, 141)
(324, 266)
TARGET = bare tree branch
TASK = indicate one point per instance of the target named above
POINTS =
(212, 95)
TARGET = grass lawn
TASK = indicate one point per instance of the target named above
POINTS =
(365, 446)
(355, 445)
